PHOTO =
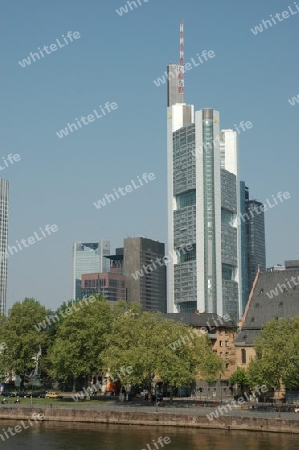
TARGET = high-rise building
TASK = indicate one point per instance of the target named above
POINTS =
(232, 269)
(88, 258)
(145, 276)
(244, 197)
(202, 212)
(252, 222)
(111, 285)
(4, 195)
(255, 228)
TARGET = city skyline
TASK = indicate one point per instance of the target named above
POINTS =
(57, 180)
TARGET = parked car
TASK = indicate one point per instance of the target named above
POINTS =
(8, 394)
(53, 395)
(296, 410)
(22, 394)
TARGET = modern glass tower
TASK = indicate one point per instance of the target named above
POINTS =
(252, 223)
(255, 228)
(89, 258)
(202, 210)
(4, 194)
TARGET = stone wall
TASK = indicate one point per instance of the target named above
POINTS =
(159, 418)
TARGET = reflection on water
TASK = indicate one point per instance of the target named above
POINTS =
(74, 436)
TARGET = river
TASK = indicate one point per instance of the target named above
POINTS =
(74, 436)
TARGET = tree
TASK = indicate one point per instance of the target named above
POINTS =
(240, 378)
(154, 347)
(80, 341)
(21, 337)
(277, 350)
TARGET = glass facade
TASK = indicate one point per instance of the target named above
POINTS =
(203, 210)
(88, 258)
(229, 244)
(256, 247)
(209, 212)
(186, 199)
(184, 217)
(4, 192)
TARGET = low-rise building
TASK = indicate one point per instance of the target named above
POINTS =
(274, 295)
(222, 332)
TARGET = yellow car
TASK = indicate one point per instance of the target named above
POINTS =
(53, 395)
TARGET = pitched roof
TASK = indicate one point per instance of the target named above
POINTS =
(276, 295)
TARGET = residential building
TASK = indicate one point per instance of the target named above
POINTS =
(4, 197)
(145, 276)
(222, 334)
(274, 295)
(88, 258)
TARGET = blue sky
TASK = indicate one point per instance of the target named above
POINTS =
(116, 59)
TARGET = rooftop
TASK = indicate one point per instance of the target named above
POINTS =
(276, 295)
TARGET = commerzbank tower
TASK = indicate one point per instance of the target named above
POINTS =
(203, 206)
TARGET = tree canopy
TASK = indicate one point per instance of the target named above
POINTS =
(90, 338)
(277, 350)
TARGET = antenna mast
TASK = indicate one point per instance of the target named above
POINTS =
(181, 83)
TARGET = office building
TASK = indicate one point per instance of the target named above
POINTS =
(111, 285)
(145, 277)
(252, 221)
(244, 197)
(253, 258)
(203, 205)
(88, 258)
(4, 196)
(202, 211)
(255, 227)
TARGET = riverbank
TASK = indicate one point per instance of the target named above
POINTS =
(188, 418)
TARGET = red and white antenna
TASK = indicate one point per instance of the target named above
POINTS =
(181, 66)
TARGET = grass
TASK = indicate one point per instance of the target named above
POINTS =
(52, 401)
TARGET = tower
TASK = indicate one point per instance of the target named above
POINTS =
(4, 194)
(203, 203)
(175, 76)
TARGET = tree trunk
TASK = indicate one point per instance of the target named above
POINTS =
(171, 394)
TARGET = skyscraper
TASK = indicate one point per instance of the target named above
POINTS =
(202, 211)
(252, 223)
(4, 194)
(88, 258)
(145, 277)
(203, 205)
(255, 229)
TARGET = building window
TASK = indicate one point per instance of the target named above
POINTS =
(226, 343)
(221, 343)
(243, 351)
(226, 355)
(226, 366)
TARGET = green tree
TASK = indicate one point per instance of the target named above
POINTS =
(157, 348)
(22, 339)
(277, 350)
(80, 341)
(240, 378)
